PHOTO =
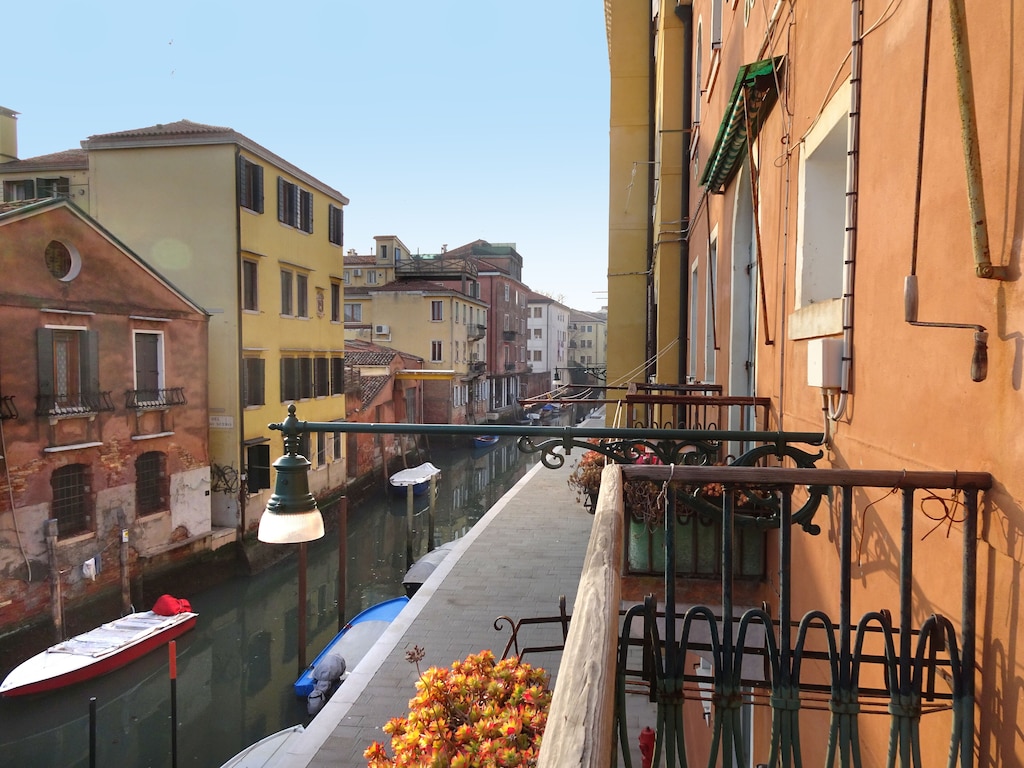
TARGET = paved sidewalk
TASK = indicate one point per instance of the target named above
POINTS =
(516, 562)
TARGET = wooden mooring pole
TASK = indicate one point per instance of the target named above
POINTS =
(126, 583)
(56, 595)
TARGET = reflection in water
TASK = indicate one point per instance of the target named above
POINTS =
(236, 668)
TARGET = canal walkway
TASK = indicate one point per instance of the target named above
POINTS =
(517, 561)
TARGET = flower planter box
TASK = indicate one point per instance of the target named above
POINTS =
(698, 549)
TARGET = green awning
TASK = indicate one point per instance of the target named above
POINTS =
(756, 86)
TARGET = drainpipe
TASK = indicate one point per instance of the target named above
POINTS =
(969, 132)
(852, 193)
(983, 267)
(651, 331)
(685, 13)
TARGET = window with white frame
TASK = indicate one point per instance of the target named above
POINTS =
(436, 351)
(371, 277)
(68, 371)
(821, 217)
(436, 311)
(148, 366)
(335, 301)
(353, 313)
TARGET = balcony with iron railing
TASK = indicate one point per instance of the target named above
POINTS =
(73, 404)
(476, 331)
(151, 399)
(636, 640)
(508, 335)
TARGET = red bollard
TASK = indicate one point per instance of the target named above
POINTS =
(646, 747)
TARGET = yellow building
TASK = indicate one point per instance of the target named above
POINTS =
(822, 208)
(259, 244)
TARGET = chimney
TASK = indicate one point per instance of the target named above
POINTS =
(8, 135)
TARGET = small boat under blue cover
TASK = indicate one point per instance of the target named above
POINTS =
(354, 640)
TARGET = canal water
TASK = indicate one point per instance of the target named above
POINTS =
(236, 668)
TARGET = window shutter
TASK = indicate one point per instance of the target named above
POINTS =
(282, 191)
(306, 207)
(258, 187)
(284, 379)
(259, 375)
(258, 469)
(243, 182)
(91, 362)
(44, 346)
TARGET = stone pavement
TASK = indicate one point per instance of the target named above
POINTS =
(516, 562)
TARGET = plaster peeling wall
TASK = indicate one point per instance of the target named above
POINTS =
(190, 501)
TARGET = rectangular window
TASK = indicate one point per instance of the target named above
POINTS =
(353, 313)
(301, 295)
(506, 291)
(257, 467)
(346, 277)
(321, 449)
(436, 311)
(72, 500)
(294, 205)
(335, 302)
(337, 375)
(250, 185)
(68, 370)
(709, 315)
(289, 379)
(435, 352)
(24, 189)
(148, 366)
(58, 187)
(253, 377)
(336, 225)
(151, 483)
(286, 292)
(337, 446)
(321, 377)
(371, 277)
(250, 283)
(538, 333)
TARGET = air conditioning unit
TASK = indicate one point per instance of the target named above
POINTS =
(359, 273)
(382, 330)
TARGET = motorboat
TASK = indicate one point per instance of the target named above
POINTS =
(422, 568)
(263, 751)
(100, 650)
(319, 680)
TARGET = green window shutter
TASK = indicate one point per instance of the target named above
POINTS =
(44, 346)
(243, 182)
(282, 191)
(258, 187)
(258, 469)
(91, 362)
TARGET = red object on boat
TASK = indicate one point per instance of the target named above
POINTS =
(98, 651)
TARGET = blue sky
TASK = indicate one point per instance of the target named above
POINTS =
(442, 122)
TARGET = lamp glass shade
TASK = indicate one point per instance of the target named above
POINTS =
(291, 527)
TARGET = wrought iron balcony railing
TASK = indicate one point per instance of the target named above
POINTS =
(140, 399)
(73, 404)
(476, 330)
(508, 335)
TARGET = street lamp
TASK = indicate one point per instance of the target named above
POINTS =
(292, 515)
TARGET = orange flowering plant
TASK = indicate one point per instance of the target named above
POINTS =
(480, 713)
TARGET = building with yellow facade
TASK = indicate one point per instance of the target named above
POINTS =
(258, 243)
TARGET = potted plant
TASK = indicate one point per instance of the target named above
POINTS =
(586, 478)
(479, 712)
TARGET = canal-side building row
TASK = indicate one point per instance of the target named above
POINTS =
(105, 408)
